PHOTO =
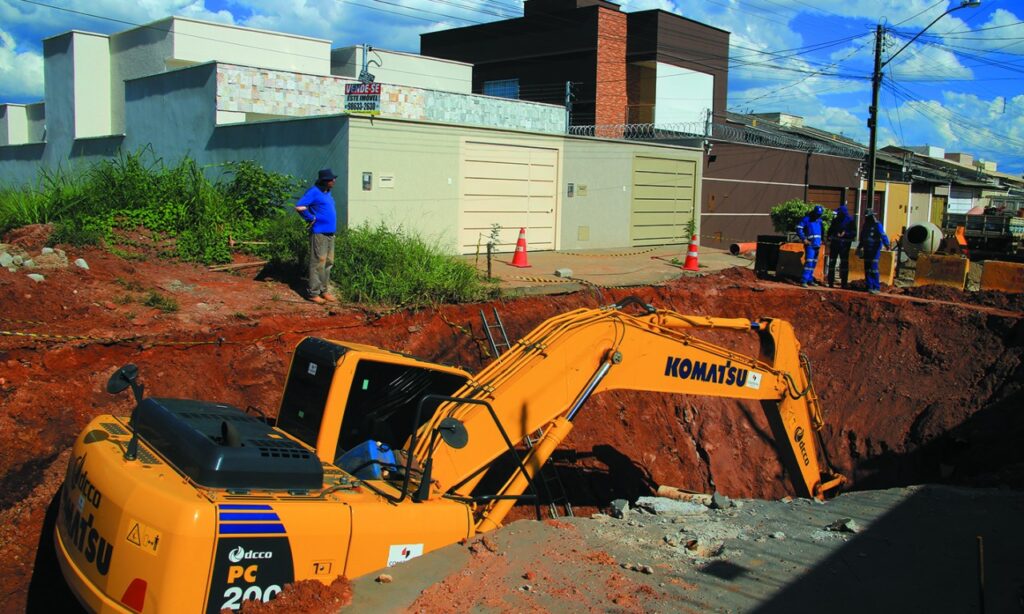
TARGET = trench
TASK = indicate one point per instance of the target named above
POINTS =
(913, 392)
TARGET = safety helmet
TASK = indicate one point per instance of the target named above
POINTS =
(817, 210)
(869, 213)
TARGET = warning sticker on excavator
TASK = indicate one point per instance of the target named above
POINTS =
(142, 536)
(403, 552)
(754, 380)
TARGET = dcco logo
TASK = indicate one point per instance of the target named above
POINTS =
(240, 554)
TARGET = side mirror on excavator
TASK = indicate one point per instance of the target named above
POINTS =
(453, 433)
(123, 378)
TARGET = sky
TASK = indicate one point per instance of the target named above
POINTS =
(959, 86)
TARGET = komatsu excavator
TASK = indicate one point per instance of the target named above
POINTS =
(376, 457)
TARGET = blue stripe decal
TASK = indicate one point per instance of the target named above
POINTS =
(249, 516)
(234, 529)
(242, 506)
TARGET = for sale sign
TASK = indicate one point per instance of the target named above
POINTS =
(362, 98)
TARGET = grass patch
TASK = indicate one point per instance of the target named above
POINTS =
(129, 284)
(167, 304)
(392, 267)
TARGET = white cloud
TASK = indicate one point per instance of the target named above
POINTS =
(1002, 32)
(928, 63)
(21, 72)
(988, 128)
(33, 22)
(21, 63)
(631, 6)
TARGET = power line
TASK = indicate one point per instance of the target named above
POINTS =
(409, 8)
(480, 10)
(162, 30)
(848, 56)
(965, 34)
(970, 127)
(1010, 66)
(916, 15)
(166, 30)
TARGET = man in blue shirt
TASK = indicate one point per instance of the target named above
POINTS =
(317, 207)
(809, 229)
(872, 238)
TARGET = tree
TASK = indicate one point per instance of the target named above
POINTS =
(785, 216)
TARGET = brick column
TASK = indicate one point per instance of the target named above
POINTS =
(610, 97)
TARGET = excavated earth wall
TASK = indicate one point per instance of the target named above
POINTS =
(915, 389)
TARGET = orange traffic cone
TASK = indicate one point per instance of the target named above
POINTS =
(519, 257)
(690, 264)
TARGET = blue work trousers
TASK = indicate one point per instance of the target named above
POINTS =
(810, 262)
(871, 255)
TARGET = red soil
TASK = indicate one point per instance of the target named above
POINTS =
(913, 392)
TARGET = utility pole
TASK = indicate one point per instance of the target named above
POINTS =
(568, 106)
(876, 83)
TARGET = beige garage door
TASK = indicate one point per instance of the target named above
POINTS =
(509, 185)
(663, 197)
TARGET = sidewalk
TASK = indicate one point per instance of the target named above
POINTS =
(623, 267)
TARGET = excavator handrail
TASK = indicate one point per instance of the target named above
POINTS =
(425, 478)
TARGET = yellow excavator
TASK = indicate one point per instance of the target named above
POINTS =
(376, 457)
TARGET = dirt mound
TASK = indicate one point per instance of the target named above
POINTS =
(988, 298)
(33, 237)
(307, 596)
(912, 392)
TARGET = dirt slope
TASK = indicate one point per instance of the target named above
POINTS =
(915, 389)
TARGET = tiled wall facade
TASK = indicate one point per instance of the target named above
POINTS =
(244, 89)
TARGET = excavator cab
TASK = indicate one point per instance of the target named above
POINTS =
(357, 404)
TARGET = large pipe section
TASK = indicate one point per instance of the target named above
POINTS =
(922, 238)
(741, 248)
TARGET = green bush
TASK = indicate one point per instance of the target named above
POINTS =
(75, 233)
(286, 239)
(247, 204)
(256, 191)
(785, 216)
(380, 265)
(137, 190)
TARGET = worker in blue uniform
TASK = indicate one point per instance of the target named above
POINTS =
(872, 238)
(841, 233)
(810, 231)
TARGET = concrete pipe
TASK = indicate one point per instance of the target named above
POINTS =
(922, 238)
(741, 248)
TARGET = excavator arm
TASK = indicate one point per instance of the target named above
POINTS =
(541, 384)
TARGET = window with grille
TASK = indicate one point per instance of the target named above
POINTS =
(504, 88)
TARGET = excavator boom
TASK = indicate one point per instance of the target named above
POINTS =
(542, 382)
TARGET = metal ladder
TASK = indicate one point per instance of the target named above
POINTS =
(550, 483)
(501, 342)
